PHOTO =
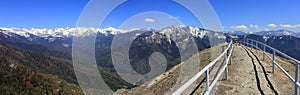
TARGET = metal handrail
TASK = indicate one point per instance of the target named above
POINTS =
(206, 71)
(294, 80)
(279, 52)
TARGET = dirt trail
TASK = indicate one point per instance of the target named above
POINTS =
(249, 75)
(243, 76)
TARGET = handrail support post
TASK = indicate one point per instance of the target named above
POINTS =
(264, 56)
(225, 64)
(296, 78)
(250, 44)
(273, 62)
(246, 43)
(207, 81)
(256, 47)
(231, 55)
(226, 72)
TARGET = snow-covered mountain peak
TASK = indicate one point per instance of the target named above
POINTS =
(62, 32)
(195, 31)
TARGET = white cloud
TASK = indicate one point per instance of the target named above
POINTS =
(173, 17)
(272, 25)
(266, 29)
(254, 26)
(223, 27)
(297, 26)
(149, 20)
(288, 26)
(243, 27)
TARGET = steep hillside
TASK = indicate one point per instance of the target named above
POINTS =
(41, 70)
(46, 64)
(23, 73)
(20, 79)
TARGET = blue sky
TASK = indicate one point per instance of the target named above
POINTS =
(284, 14)
(245, 15)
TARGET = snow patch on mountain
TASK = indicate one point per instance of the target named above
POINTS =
(277, 33)
(180, 32)
(61, 32)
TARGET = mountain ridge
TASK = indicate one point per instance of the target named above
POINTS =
(268, 33)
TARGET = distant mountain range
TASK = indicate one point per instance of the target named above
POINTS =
(58, 42)
(269, 33)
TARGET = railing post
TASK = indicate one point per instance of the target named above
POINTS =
(273, 62)
(226, 72)
(247, 43)
(256, 47)
(250, 43)
(296, 78)
(207, 81)
(264, 56)
(253, 46)
(225, 64)
(231, 55)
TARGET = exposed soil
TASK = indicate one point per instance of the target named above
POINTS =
(250, 75)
